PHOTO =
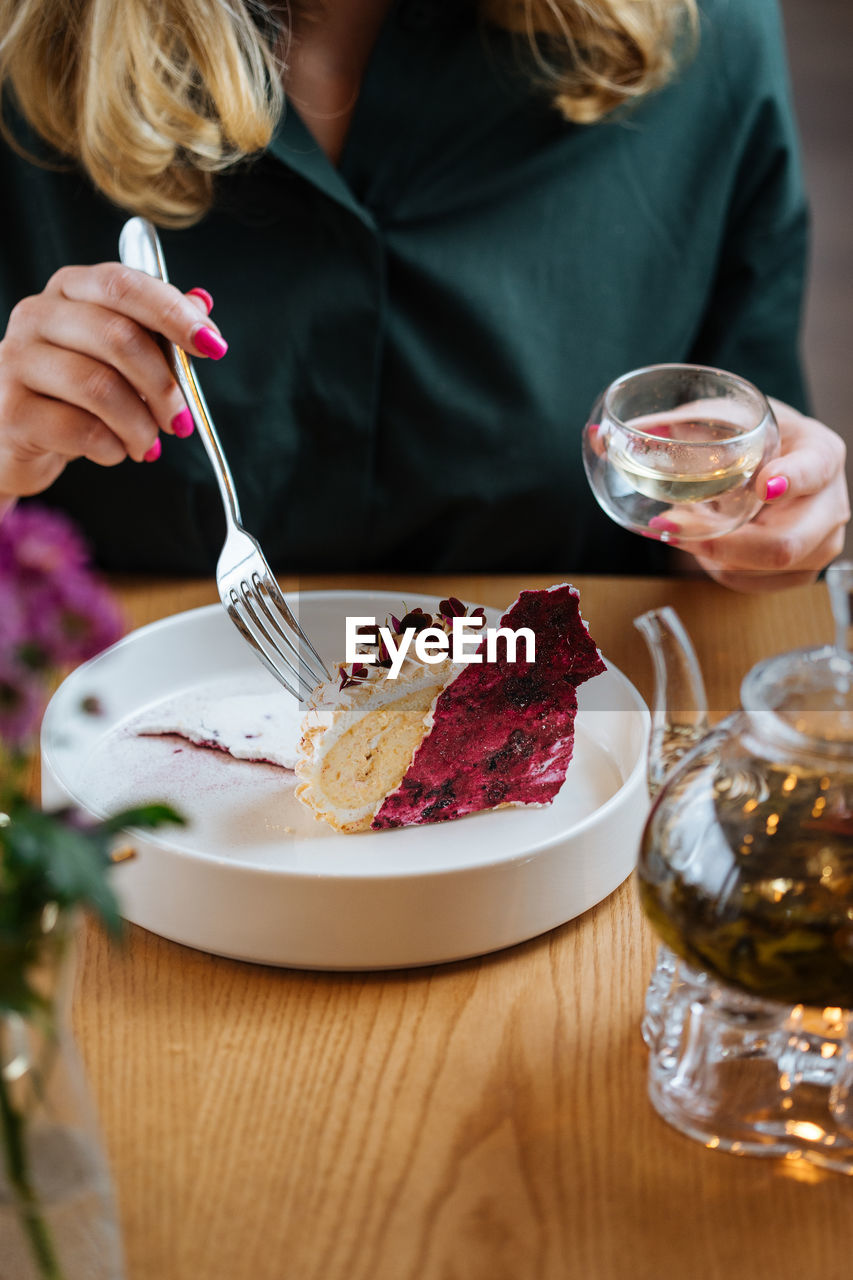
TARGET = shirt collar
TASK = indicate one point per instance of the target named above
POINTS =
(294, 145)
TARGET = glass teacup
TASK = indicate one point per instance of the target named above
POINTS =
(673, 450)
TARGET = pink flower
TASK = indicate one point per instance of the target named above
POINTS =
(21, 705)
(35, 540)
(72, 617)
(14, 623)
(54, 612)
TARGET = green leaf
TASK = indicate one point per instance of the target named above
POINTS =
(56, 858)
(59, 863)
(16, 995)
(147, 816)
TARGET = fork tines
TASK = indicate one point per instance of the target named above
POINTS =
(261, 613)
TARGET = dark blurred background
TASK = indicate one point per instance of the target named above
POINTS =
(820, 49)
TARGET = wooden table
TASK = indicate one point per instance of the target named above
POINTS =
(484, 1120)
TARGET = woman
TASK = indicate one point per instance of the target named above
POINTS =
(462, 223)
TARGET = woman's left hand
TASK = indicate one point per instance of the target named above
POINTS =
(800, 529)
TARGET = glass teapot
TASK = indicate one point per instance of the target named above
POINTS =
(746, 872)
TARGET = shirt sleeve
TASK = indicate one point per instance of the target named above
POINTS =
(752, 321)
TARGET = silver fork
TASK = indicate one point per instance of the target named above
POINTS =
(246, 584)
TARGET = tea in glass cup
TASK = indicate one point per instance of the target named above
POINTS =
(673, 450)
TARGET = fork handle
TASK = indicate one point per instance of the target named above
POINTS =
(139, 246)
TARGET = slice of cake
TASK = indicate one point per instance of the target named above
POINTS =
(361, 730)
(448, 739)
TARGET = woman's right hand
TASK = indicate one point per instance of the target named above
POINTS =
(82, 376)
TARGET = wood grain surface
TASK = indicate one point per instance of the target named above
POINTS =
(485, 1120)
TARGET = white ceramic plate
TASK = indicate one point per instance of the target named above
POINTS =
(256, 877)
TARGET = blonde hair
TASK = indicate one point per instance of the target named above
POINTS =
(596, 55)
(154, 97)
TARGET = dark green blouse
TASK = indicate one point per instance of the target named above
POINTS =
(416, 337)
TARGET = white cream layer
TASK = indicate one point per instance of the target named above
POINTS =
(249, 726)
(332, 712)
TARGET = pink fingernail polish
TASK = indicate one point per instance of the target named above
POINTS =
(664, 525)
(154, 452)
(776, 486)
(206, 298)
(182, 424)
(209, 343)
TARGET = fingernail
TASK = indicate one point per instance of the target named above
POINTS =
(593, 427)
(206, 298)
(154, 452)
(209, 343)
(664, 525)
(182, 423)
(776, 486)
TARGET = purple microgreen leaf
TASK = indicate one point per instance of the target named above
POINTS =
(415, 620)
